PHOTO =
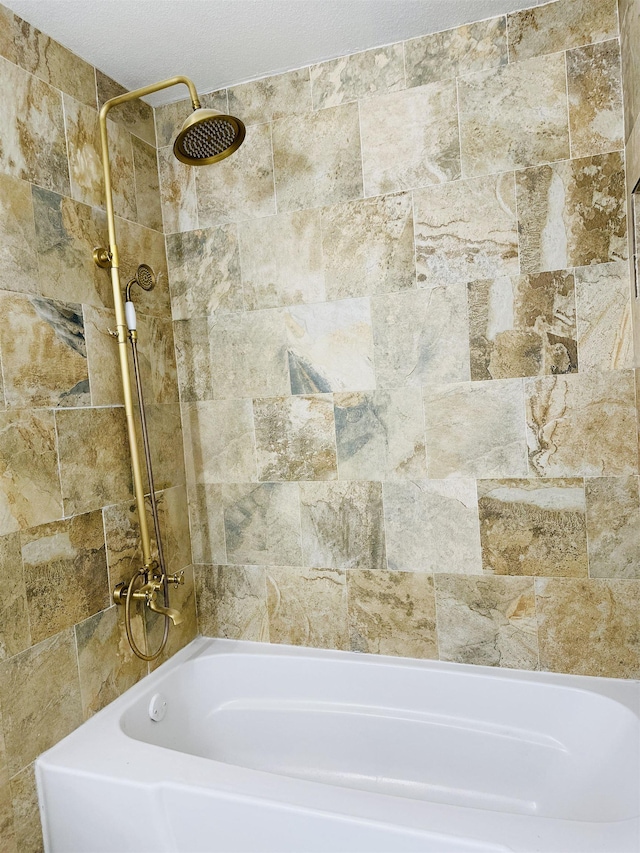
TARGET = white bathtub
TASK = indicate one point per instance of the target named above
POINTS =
(272, 749)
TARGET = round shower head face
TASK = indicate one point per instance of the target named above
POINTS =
(146, 277)
(208, 136)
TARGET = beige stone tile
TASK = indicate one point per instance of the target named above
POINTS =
(174, 527)
(461, 50)
(533, 527)
(572, 213)
(241, 186)
(30, 486)
(367, 247)
(192, 359)
(282, 259)
(204, 272)
(475, 429)
(308, 607)
(136, 116)
(432, 526)
(122, 537)
(295, 438)
(410, 139)
(220, 437)
(330, 347)
(7, 831)
(358, 75)
(317, 158)
(589, 627)
(166, 445)
(490, 621)
(26, 814)
(594, 85)
(392, 613)
(603, 297)
(94, 458)
(232, 602)
(177, 193)
(169, 118)
(582, 425)
(147, 186)
(466, 230)
(559, 26)
(271, 98)
(421, 337)
(15, 633)
(262, 523)
(157, 358)
(84, 152)
(40, 696)
(613, 521)
(123, 184)
(514, 116)
(343, 525)
(523, 326)
(380, 434)
(102, 357)
(8, 34)
(137, 245)
(206, 522)
(18, 257)
(629, 18)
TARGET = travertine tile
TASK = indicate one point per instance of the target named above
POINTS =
(18, 257)
(169, 118)
(392, 613)
(490, 621)
(613, 522)
(232, 602)
(476, 429)
(192, 358)
(156, 355)
(282, 259)
(308, 607)
(514, 116)
(262, 523)
(358, 75)
(523, 326)
(15, 634)
(589, 627)
(533, 527)
(317, 158)
(330, 347)
(139, 244)
(582, 425)
(84, 152)
(136, 116)
(343, 525)
(295, 438)
(26, 813)
(220, 441)
(206, 522)
(603, 297)
(629, 19)
(380, 434)
(432, 526)
(272, 97)
(102, 357)
(561, 25)
(177, 193)
(367, 247)
(596, 118)
(572, 213)
(147, 187)
(410, 139)
(461, 50)
(421, 337)
(466, 230)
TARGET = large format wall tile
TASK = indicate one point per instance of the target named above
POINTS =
(178, 197)
(603, 300)
(84, 152)
(410, 139)
(156, 353)
(357, 75)
(262, 523)
(136, 116)
(137, 245)
(122, 171)
(613, 521)
(147, 187)
(166, 444)
(192, 359)
(122, 538)
(15, 634)
(232, 602)
(26, 811)
(220, 441)
(271, 98)
(629, 18)
(18, 257)
(102, 357)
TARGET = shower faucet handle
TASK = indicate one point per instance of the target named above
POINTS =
(177, 578)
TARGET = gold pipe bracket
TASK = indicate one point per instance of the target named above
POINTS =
(102, 258)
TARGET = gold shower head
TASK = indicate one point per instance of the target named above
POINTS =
(208, 136)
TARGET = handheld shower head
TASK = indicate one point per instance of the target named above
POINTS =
(208, 136)
(144, 278)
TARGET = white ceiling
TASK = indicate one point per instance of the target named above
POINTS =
(219, 43)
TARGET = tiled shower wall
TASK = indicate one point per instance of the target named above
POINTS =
(67, 525)
(402, 320)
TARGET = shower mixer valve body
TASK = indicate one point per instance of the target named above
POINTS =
(148, 592)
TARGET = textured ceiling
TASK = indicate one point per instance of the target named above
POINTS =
(222, 42)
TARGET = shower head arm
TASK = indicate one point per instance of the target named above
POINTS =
(134, 94)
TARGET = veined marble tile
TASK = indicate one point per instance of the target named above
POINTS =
(367, 247)
(240, 187)
(282, 259)
(317, 158)
(84, 152)
(557, 26)
(358, 75)
(308, 607)
(432, 526)
(613, 521)
(410, 139)
(380, 434)
(582, 425)
(177, 192)
(102, 357)
(589, 627)
(466, 230)
(603, 296)
(192, 358)
(220, 440)
(272, 97)
(206, 521)
(157, 359)
(523, 326)
(44, 354)
(232, 602)
(343, 525)
(489, 621)
(421, 337)
(476, 429)
(392, 613)
(15, 633)
(596, 116)
(461, 50)
(330, 347)
(629, 18)
(147, 186)
(514, 116)
(204, 272)
(169, 118)
(26, 811)
(18, 257)
(533, 527)
(137, 245)
(572, 213)
(136, 116)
